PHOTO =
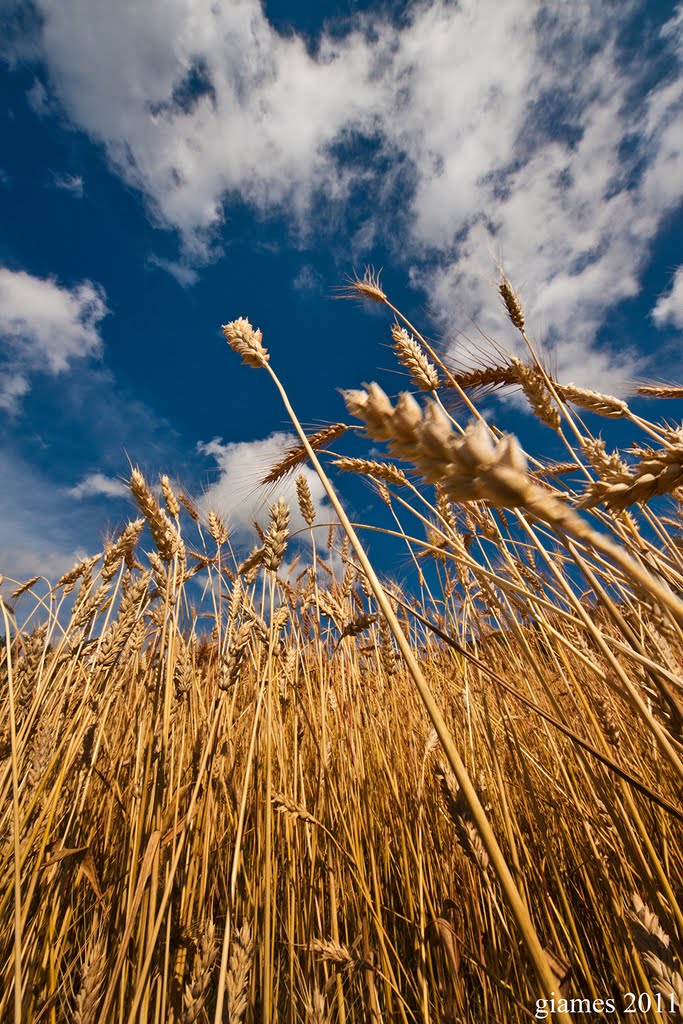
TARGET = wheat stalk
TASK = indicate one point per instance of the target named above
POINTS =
(298, 454)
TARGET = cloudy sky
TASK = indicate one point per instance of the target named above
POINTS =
(169, 165)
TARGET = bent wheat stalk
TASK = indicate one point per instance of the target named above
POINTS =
(248, 344)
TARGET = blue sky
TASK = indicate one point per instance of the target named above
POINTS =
(168, 166)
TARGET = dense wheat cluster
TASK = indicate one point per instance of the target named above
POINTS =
(266, 786)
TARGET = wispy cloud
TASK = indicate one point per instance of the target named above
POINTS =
(44, 327)
(669, 307)
(184, 274)
(72, 183)
(39, 99)
(99, 485)
(308, 281)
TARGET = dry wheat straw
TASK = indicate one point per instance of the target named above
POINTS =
(458, 811)
(285, 805)
(654, 945)
(555, 469)
(189, 506)
(536, 392)
(123, 548)
(231, 665)
(247, 342)
(316, 1009)
(24, 587)
(164, 534)
(369, 286)
(593, 401)
(486, 378)
(275, 542)
(170, 499)
(345, 747)
(338, 955)
(217, 528)
(297, 454)
(80, 569)
(511, 892)
(660, 391)
(411, 355)
(237, 983)
(377, 470)
(196, 992)
(659, 471)
(512, 303)
(252, 562)
(305, 500)
(92, 980)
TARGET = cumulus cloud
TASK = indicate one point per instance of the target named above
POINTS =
(510, 131)
(99, 485)
(44, 328)
(669, 307)
(238, 495)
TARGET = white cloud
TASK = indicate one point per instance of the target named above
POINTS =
(669, 307)
(502, 130)
(238, 495)
(72, 183)
(44, 328)
(13, 387)
(96, 485)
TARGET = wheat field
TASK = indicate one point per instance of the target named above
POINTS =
(275, 788)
